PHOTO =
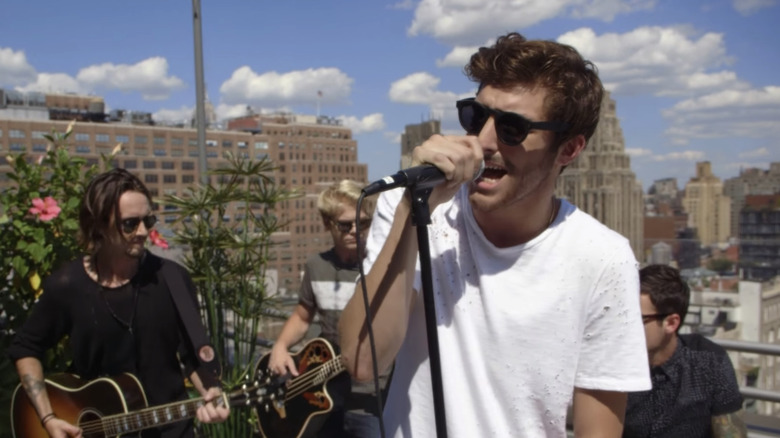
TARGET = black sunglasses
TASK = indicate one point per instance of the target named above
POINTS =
(654, 317)
(346, 226)
(511, 128)
(130, 224)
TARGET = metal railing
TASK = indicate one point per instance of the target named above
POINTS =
(753, 347)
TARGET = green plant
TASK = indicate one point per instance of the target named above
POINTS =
(227, 261)
(38, 224)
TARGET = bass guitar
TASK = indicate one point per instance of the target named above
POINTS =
(297, 407)
(110, 406)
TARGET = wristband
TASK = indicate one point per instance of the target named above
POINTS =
(47, 417)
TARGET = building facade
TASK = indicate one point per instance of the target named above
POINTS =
(708, 209)
(601, 183)
(310, 153)
(750, 182)
(413, 136)
(759, 237)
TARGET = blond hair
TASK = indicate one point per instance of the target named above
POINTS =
(345, 192)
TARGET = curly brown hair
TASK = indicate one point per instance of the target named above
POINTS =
(573, 85)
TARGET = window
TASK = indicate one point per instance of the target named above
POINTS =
(167, 165)
(187, 179)
(131, 164)
(212, 154)
(177, 153)
(150, 164)
(80, 136)
(36, 134)
(102, 138)
(160, 152)
(211, 143)
(261, 145)
(193, 142)
(159, 140)
(150, 178)
(18, 147)
(177, 141)
(16, 133)
(141, 152)
(241, 144)
(261, 156)
(82, 149)
(169, 179)
(194, 154)
(122, 138)
(39, 147)
(187, 165)
(227, 143)
(141, 139)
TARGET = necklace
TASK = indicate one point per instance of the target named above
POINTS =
(126, 324)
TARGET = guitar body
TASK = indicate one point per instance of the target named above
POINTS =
(300, 406)
(75, 400)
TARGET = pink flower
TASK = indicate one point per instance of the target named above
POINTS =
(157, 239)
(45, 209)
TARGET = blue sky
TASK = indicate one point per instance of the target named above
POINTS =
(694, 80)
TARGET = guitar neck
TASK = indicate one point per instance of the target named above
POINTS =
(146, 418)
(317, 376)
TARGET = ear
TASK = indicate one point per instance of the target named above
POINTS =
(671, 323)
(570, 150)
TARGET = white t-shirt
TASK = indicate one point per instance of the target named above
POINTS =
(518, 327)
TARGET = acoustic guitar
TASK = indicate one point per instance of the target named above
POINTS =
(111, 406)
(297, 407)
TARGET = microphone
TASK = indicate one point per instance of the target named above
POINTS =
(422, 177)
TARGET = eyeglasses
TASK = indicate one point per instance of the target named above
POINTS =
(346, 226)
(130, 225)
(511, 128)
(654, 317)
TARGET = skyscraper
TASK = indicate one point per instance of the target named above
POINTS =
(413, 136)
(601, 182)
(709, 210)
(750, 181)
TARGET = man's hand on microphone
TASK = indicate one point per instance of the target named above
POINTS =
(458, 156)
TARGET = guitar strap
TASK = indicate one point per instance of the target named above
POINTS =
(209, 370)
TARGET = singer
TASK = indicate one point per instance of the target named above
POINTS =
(536, 301)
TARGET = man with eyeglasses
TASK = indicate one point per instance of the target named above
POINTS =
(533, 297)
(117, 313)
(695, 391)
(328, 282)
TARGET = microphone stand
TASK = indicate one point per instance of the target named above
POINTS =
(421, 217)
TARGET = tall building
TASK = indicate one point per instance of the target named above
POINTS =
(759, 237)
(709, 210)
(601, 182)
(310, 152)
(413, 136)
(751, 181)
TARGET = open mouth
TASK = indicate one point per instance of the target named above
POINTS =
(492, 172)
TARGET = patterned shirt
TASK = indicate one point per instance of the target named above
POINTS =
(697, 383)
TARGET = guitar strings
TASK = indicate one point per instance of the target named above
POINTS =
(304, 381)
(143, 419)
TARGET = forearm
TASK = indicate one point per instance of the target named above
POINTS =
(390, 294)
(729, 426)
(598, 414)
(293, 331)
(30, 373)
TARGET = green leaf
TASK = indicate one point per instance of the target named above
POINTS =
(37, 252)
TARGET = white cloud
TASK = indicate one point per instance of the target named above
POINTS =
(421, 89)
(729, 113)
(647, 155)
(182, 114)
(149, 77)
(369, 123)
(748, 7)
(657, 60)
(458, 57)
(14, 68)
(55, 83)
(755, 153)
(473, 21)
(225, 111)
(638, 152)
(392, 137)
(272, 89)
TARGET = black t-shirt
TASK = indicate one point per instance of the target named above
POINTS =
(102, 344)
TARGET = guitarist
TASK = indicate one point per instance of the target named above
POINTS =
(328, 281)
(117, 315)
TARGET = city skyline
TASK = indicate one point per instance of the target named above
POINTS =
(693, 82)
